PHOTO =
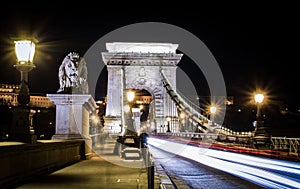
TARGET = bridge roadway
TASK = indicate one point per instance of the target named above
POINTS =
(108, 170)
(185, 173)
(182, 164)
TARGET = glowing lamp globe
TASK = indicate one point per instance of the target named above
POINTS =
(25, 50)
(213, 109)
(130, 96)
(168, 119)
(259, 98)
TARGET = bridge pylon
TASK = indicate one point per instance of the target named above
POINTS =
(137, 66)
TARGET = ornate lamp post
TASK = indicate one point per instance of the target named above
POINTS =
(213, 110)
(22, 129)
(182, 121)
(25, 50)
(168, 120)
(259, 98)
(128, 109)
(261, 135)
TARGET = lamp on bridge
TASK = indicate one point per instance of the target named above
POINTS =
(130, 96)
(25, 50)
(259, 98)
(182, 121)
(261, 136)
(213, 110)
(168, 121)
(22, 129)
(128, 109)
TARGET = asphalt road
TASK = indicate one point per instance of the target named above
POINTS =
(185, 173)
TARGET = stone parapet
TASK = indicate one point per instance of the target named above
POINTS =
(20, 161)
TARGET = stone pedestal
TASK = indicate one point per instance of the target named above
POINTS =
(72, 117)
(262, 137)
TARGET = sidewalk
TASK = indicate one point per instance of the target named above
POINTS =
(104, 170)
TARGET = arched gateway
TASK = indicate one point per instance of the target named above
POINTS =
(138, 66)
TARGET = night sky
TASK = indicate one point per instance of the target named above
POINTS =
(254, 47)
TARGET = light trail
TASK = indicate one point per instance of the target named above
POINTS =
(265, 172)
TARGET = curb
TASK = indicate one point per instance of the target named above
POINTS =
(162, 178)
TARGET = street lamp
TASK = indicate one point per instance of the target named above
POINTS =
(213, 110)
(128, 109)
(168, 120)
(182, 121)
(259, 98)
(22, 128)
(25, 50)
(261, 136)
(130, 96)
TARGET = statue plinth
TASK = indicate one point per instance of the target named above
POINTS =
(72, 116)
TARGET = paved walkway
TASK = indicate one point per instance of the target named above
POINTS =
(104, 170)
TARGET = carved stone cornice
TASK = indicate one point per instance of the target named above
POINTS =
(141, 59)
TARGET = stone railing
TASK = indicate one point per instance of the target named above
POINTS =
(20, 162)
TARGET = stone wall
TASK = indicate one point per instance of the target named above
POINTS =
(20, 162)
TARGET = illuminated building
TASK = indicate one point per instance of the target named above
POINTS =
(41, 113)
(9, 93)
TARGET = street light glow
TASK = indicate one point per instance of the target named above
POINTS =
(259, 98)
(141, 107)
(213, 109)
(95, 119)
(168, 119)
(130, 96)
(182, 115)
(25, 50)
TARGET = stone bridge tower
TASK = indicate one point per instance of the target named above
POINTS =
(137, 66)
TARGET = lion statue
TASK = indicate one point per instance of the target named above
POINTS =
(72, 75)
